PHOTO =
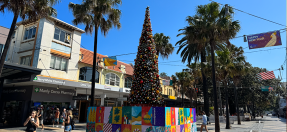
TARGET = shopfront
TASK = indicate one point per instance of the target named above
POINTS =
(18, 102)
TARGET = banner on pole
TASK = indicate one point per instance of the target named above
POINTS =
(264, 40)
(265, 75)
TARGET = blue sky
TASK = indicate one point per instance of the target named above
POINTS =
(169, 16)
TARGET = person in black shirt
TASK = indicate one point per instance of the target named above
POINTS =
(68, 121)
(40, 116)
(32, 122)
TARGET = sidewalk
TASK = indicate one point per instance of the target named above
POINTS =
(80, 127)
(267, 124)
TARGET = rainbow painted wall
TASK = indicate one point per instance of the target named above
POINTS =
(141, 119)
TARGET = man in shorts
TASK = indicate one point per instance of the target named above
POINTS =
(40, 116)
(57, 115)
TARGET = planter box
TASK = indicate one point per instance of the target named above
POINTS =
(141, 119)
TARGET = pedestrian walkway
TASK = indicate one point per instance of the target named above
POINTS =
(267, 124)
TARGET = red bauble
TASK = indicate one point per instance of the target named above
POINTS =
(149, 48)
(157, 75)
(141, 81)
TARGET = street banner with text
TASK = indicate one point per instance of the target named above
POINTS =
(264, 40)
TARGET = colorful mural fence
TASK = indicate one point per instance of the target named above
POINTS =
(141, 119)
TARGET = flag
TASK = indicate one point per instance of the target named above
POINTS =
(110, 61)
(265, 75)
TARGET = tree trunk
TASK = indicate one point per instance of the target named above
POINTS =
(204, 87)
(216, 117)
(182, 95)
(220, 100)
(8, 41)
(237, 107)
(227, 109)
(95, 66)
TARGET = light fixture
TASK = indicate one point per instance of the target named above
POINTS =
(245, 39)
(58, 87)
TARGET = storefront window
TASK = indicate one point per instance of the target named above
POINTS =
(12, 113)
(86, 74)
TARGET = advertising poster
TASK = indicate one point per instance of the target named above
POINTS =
(117, 115)
(127, 114)
(147, 116)
(100, 114)
(264, 40)
(108, 115)
(136, 115)
(158, 114)
(126, 128)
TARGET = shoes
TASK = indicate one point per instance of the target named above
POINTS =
(62, 127)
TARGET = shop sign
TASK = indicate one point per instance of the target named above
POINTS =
(7, 91)
(48, 91)
(49, 80)
(172, 97)
(80, 97)
(122, 99)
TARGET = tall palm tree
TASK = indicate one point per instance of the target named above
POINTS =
(193, 49)
(96, 14)
(219, 29)
(29, 10)
(162, 45)
(182, 80)
(240, 68)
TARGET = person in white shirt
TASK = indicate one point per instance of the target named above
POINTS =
(204, 121)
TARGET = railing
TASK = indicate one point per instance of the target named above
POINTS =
(222, 119)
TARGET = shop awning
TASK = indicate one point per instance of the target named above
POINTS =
(11, 71)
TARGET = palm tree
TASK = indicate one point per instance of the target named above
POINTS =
(239, 70)
(182, 80)
(219, 29)
(163, 47)
(194, 50)
(29, 10)
(96, 14)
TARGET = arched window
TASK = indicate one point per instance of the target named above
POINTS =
(112, 79)
(86, 74)
(128, 82)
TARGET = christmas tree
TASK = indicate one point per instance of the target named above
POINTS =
(146, 88)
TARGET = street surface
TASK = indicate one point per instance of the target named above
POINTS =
(268, 124)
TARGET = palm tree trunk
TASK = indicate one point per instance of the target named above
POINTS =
(182, 95)
(227, 109)
(8, 41)
(220, 100)
(204, 86)
(237, 107)
(95, 67)
(216, 117)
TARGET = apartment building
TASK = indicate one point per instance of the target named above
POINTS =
(53, 47)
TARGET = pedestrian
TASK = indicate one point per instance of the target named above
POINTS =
(68, 121)
(32, 122)
(63, 117)
(40, 116)
(204, 121)
(57, 115)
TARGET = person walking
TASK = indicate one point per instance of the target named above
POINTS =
(68, 121)
(204, 121)
(32, 122)
(57, 115)
(40, 116)
(63, 117)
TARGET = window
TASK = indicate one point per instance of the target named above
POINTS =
(86, 74)
(26, 60)
(112, 79)
(58, 63)
(128, 82)
(62, 36)
(30, 33)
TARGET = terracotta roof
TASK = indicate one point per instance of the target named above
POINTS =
(88, 59)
